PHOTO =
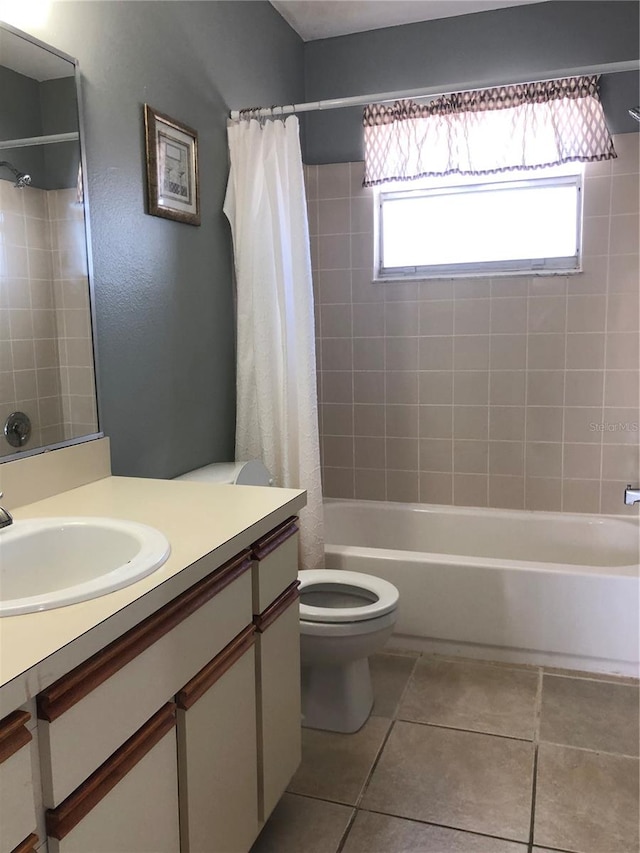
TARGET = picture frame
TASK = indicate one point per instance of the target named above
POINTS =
(173, 190)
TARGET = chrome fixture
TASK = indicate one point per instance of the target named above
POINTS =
(22, 179)
(634, 112)
(17, 429)
(5, 516)
(631, 496)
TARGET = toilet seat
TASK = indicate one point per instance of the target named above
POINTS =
(383, 595)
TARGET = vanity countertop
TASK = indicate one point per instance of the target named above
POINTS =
(198, 519)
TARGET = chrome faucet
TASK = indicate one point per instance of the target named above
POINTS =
(6, 518)
(631, 496)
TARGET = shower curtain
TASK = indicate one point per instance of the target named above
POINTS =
(277, 410)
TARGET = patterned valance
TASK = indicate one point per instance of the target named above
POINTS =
(482, 132)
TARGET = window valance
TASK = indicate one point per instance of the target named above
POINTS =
(482, 132)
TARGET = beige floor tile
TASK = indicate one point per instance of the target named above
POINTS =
(474, 696)
(460, 779)
(302, 824)
(376, 833)
(590, 714)
(336, 766)
(389, 674)
(586, 801)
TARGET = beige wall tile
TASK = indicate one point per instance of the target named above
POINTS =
(624, 234)
(620, 462)
(471, 422)
(368, 387)
(436, 386)
(436, 353)
(543, 494)
(472, 317)
(402, 454)
(508, 352)
(401, 319)
(334, 216)
(436, 488)
(436, 317)
(545, 387)
(548, 313)
(334, 180)
(624, 196)
(402, 421)
(597, 196)
(334, 252)
(624, 273)
(470, 457)
(401, 386)
(506, 492)
(336, 321)
(581, 496)
(364, 289)
(368, 353)
(595, 235)
(622, 350)
(622, 425)
(622, 388)
(509, 315)
(586, 313)
(362, 251)
(582, 461)
(544, 423)
(362, 215)
(337, 451)
(337, 482)
(584, 387)
(368, 320)
(368, 420)
(436, 421)
(471, 352)
(403, 486)
(334, 286)
(370, 485)
(337, 387)
(546, 352)
(507, 423)
(336, 354)
(580, 424)
(507, 387)
(506, 458)
(337, 419)
(543, 459)
(585, 351)
(471, 489)
(369, 452)
(471, 387)
(436, 454)
(401, 353)
(623, 312)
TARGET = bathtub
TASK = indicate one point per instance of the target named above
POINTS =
(553, 589)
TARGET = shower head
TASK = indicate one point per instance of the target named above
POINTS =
(22, 179)
(634, 112)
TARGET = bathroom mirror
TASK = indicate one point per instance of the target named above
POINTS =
(46, 344)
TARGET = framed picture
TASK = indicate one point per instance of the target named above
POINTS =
(172, 168)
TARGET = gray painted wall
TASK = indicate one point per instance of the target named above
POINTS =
(466, 51)
(164, 296)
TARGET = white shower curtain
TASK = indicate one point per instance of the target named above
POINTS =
(277, 410)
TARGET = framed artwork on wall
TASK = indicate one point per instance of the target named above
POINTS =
(172, 168)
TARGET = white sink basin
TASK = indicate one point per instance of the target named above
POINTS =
(49, 562)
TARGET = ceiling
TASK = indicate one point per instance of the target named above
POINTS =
(319, 19)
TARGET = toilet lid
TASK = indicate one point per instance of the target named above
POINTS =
(330, 595)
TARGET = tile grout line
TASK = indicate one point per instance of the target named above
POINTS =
(536, 744)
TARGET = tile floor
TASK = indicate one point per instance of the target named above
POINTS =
(468, 757)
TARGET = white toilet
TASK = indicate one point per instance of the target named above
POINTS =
(344, 618)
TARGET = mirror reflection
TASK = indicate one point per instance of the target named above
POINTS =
(46, 351)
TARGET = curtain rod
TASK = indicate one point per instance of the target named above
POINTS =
(436, 92)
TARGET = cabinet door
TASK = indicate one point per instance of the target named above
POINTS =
(278, 690)
(217, 753)
(130, 804)
(276, 563)
(17, 810)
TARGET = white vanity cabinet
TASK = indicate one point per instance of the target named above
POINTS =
(17, 808)
(130, 803)
(218, 753)
(277, 620)
(181, 735)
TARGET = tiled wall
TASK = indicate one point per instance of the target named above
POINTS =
(46, 362)
(510, 392)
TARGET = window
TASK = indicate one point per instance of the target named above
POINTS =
(450, 226)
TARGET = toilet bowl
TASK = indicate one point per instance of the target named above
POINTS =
(344, 618)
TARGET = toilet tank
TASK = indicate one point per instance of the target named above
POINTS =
(249, 473)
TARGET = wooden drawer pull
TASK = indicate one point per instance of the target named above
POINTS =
(28, 845)
(13, 734)
(263, 547)
(61, 820)
(77, 684)
(216, 668)
(268, 616)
